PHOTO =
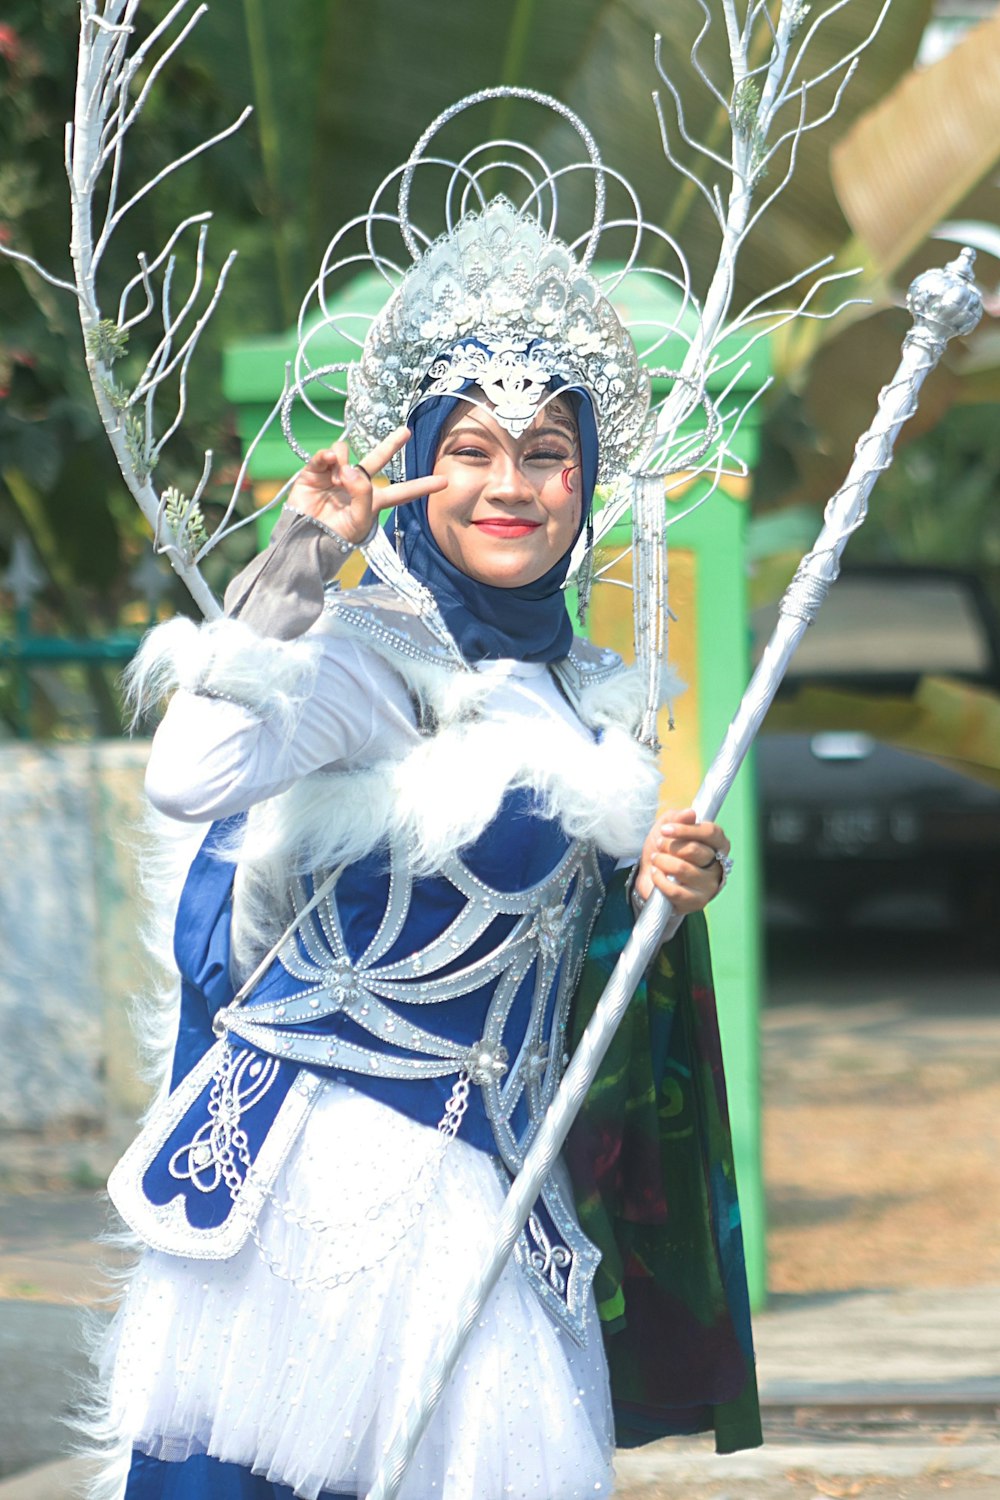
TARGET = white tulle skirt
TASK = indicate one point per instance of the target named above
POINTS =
(298, 1357)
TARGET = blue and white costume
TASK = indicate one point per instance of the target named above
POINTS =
(438, 843)
(412, 798)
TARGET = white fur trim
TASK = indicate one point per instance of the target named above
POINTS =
(224, 659)
(443, 794)
(444, 791)
(621, 700)
(168, 849)
(436, 799)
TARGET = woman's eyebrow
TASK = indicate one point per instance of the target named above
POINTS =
(563, 432)
(482, 434)
(469, 430)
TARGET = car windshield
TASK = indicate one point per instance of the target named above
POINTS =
(879, 625)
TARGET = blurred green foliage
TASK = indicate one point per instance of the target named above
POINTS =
(340, 92)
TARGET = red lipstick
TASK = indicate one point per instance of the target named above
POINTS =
(504, 527)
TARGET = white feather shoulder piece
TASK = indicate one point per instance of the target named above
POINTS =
(224, 659)
(444, 790)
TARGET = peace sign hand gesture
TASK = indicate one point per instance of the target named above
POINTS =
(341, 494)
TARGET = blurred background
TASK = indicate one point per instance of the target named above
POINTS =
(867, 1068)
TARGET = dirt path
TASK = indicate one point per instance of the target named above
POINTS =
(882, 1116)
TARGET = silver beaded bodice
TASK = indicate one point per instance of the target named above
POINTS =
(552, 920)
(516, 1062)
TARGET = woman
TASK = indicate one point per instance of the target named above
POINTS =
(419, 797)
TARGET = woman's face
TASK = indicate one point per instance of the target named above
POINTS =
(512, 505)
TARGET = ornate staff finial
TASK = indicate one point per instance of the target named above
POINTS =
(945, 301)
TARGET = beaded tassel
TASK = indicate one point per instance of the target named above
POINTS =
(649, 593)
(585, 576)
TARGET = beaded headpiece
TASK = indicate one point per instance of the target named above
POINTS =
(498, 301)
(497, 298)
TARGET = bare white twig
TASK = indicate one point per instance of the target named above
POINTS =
(146, 268)
(115, 219)
(182, 358)
(804, 124)
(109, 101)
(689, 140)
(248, 455)
(699, 68)
(779, 317)
(803, 48)
(681, 167)
(759, 91)
(128, 115)
(39, 270)
(261, 510)
(157, 367)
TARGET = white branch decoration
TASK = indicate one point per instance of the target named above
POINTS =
(109, 102)
(115, 80)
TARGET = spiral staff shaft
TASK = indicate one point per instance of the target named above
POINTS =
(944, 304)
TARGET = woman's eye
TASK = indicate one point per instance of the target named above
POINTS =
(468, 452)
(547, 456)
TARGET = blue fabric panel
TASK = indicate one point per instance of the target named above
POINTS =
(208, 1209)
(201, 1478)
(520, 846)
(519, 849)
(201, 945)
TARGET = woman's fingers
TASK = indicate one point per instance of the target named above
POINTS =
(701, 833)
(342, 494)
(701, 853)
(409, 489)
(681, 835)
(685, 871)
(337, 458)
(679, 858)
(689, 886)
(376, 458)
(375, 461)
(330, 475)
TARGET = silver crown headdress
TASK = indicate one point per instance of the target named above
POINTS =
(496, 296)
(499, 301)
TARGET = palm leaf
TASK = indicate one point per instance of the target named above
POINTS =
(909, 161)
(615, 75)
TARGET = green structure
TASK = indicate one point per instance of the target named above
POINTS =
(709, 646)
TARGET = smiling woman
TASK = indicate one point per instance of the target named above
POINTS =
(424, 796)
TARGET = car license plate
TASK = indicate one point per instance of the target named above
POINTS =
(852, 830)
(844, 832)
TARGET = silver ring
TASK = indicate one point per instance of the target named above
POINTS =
(726, 862)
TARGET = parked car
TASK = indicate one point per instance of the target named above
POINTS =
(859, 831)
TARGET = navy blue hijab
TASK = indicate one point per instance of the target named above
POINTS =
(529, 622)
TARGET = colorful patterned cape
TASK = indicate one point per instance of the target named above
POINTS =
(652, 1166)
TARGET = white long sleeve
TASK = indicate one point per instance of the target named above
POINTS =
(212, 757)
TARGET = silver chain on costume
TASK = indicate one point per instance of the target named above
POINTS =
(229, 1141)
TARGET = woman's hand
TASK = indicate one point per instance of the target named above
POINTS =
(679, 859)
(341, 494)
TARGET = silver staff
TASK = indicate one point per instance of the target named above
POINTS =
(944, 304)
